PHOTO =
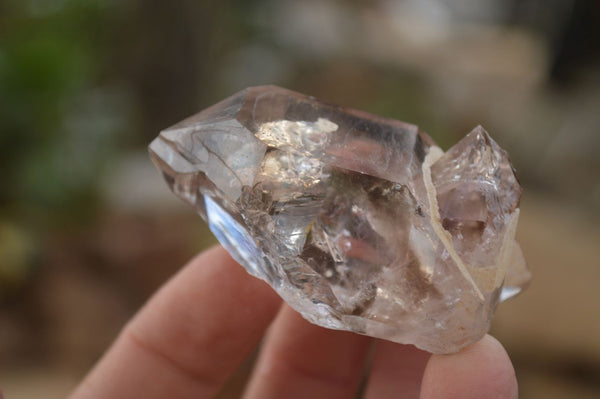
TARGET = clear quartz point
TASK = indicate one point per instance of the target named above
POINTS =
(359, 222)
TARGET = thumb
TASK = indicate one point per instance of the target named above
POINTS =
(482, 370)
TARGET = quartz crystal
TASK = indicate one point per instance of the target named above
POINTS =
(359, 222)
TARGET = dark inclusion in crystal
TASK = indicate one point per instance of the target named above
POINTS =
(359, 222)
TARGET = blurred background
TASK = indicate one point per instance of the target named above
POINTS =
(88, 229)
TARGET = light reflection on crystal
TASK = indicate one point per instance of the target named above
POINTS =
(509, 292)
(234, 237)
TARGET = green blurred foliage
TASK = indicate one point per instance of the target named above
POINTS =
(55, 121)
(16, 254)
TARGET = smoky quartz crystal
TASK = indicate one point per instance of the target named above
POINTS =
(359, 222)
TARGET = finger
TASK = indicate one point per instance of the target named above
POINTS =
(189, 337)
(301, 360)
(396, 371)
(483, 370)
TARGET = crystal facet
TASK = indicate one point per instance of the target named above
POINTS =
(359, 222)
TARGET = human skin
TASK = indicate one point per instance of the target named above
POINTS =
(197, 329)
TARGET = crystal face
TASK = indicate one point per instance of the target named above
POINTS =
(359, 222)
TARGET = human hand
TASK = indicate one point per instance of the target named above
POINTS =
(207, 319)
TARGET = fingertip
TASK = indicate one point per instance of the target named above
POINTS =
(482, 370)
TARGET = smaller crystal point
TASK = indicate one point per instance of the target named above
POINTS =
(359, 222)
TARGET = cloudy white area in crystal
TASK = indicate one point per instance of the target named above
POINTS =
(359, 222)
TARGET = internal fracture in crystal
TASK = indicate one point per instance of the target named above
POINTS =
(360, 223)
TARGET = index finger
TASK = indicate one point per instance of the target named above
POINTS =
(189, 337)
